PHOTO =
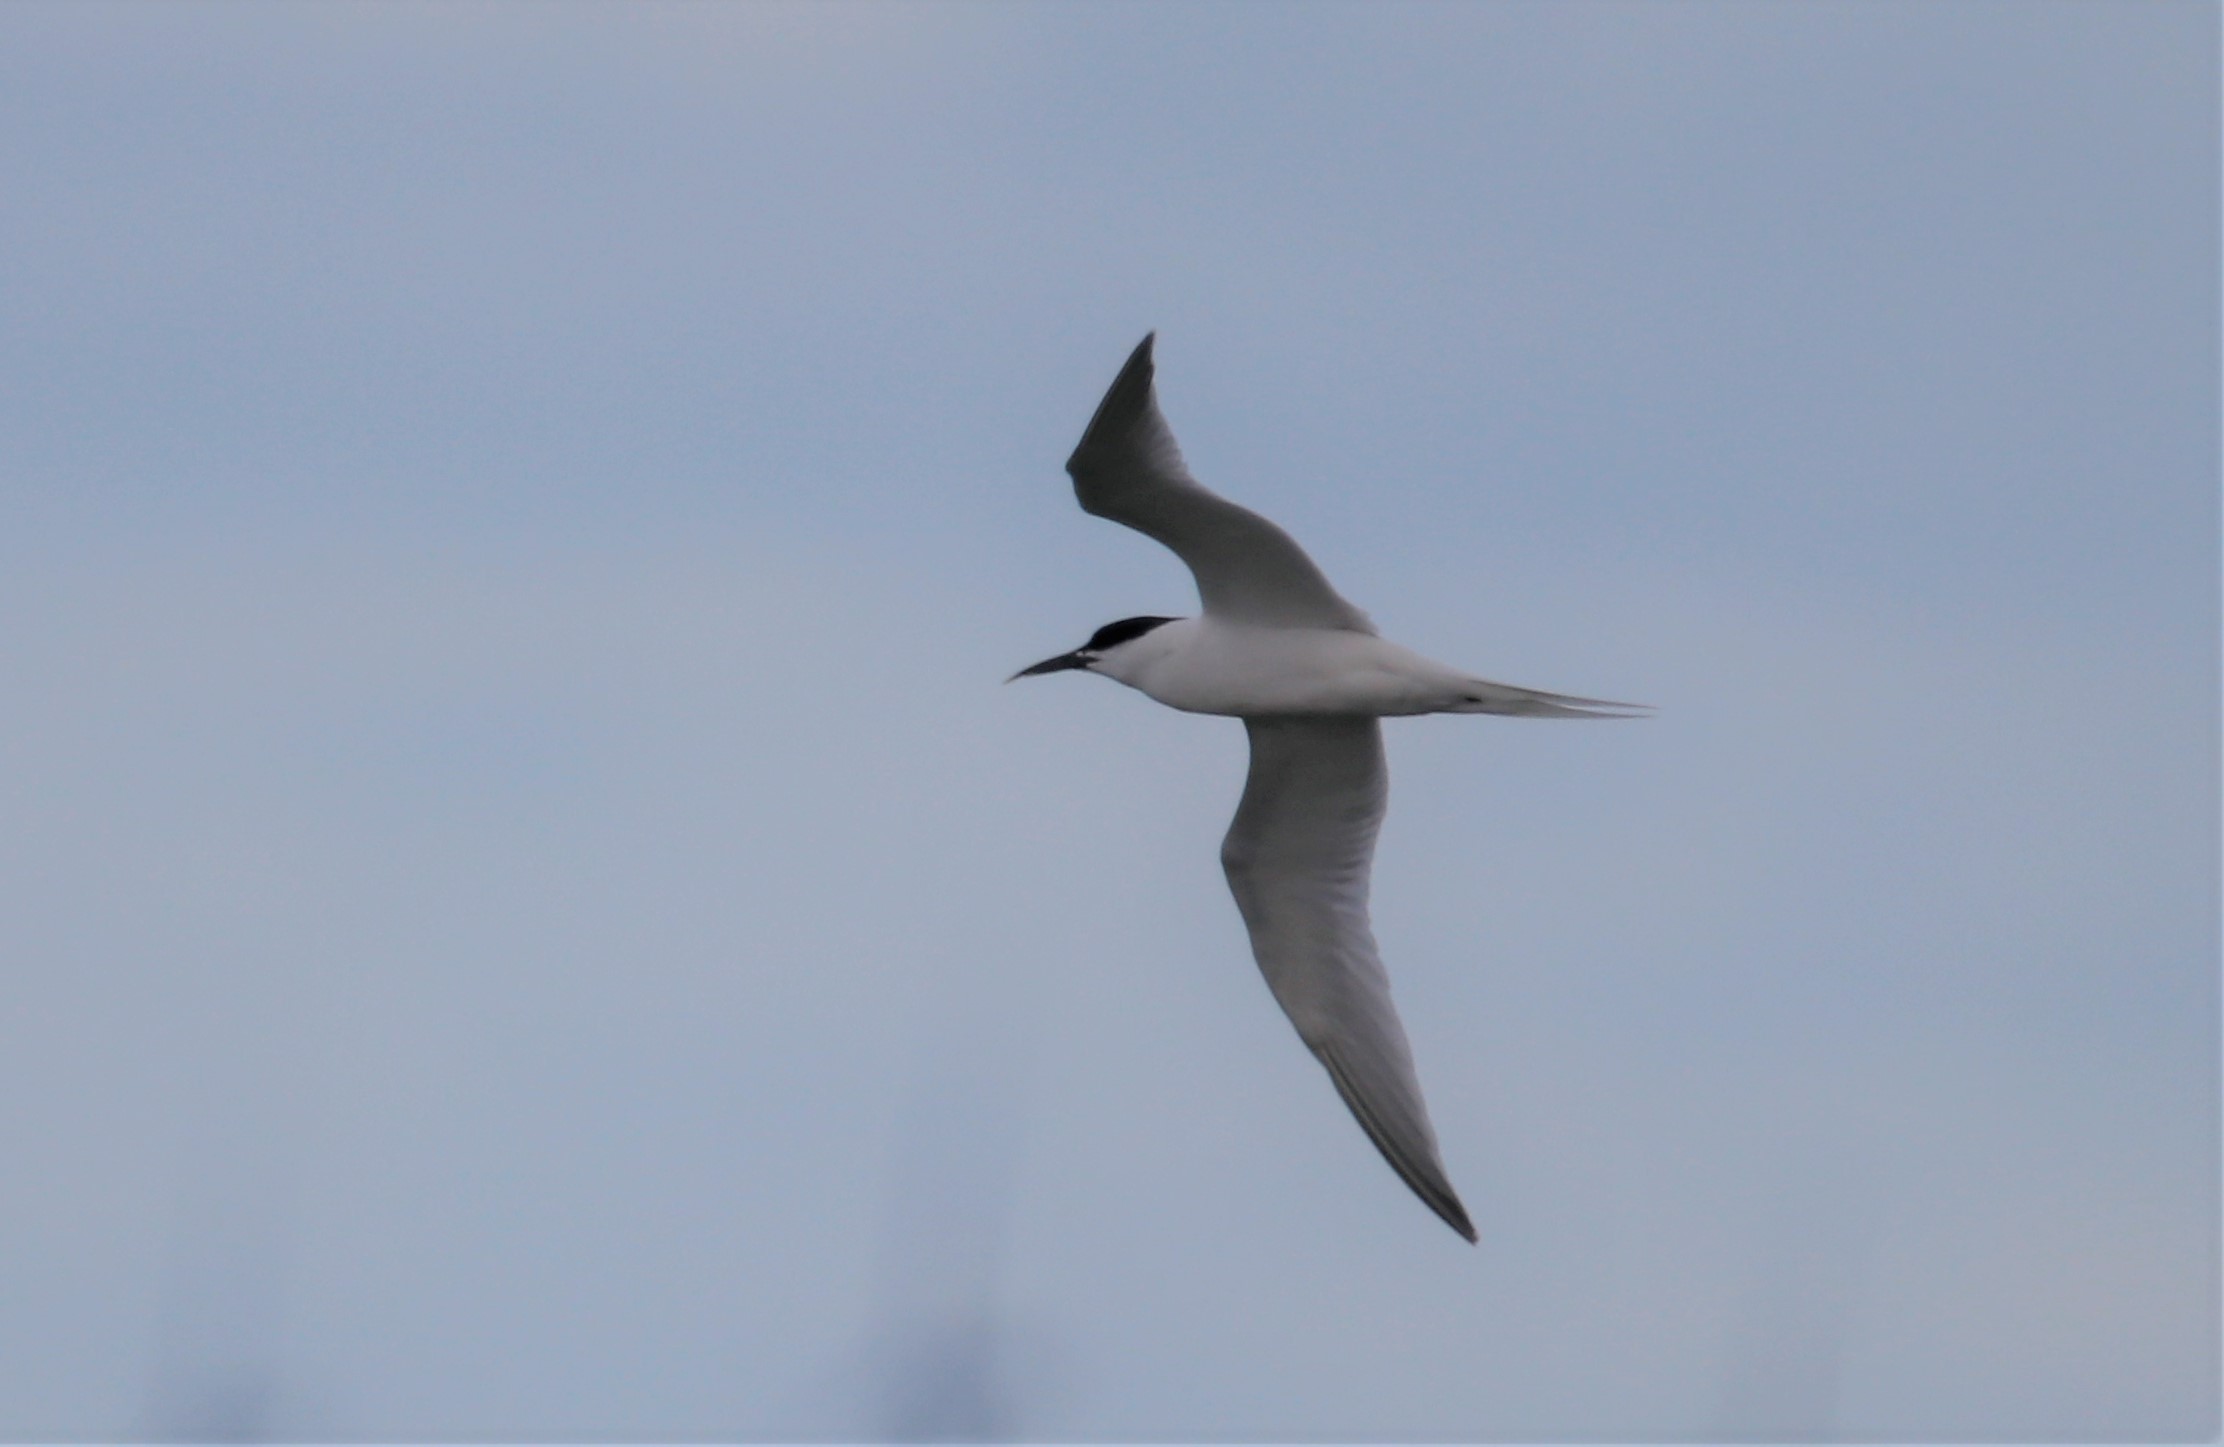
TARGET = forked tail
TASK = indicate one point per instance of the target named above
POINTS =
(1483, 696)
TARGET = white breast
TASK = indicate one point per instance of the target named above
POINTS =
(1204, 665)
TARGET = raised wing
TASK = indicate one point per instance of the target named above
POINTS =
(1127, 468)
(1298, 857)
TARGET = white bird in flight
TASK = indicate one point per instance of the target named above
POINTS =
(1280, 649)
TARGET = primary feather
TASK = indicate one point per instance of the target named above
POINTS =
(1127, 468)
(1298, 857)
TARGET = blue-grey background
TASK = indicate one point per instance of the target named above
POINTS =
(527, 911)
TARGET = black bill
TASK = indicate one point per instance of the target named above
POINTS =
(1079, 658)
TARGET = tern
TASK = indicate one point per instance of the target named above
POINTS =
(1307, 673)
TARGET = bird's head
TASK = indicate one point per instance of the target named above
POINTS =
(1107, 643)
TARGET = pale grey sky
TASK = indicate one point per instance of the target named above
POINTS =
(531, 915)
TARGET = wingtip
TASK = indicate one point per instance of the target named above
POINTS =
(1446, 1203)
(1128, 397)
(1423, 1175)
(1139, 358)
(1143, 357)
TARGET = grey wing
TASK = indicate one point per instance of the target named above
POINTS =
(1127, 468)
(1298, 858)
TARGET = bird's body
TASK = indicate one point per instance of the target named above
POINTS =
(1278, 647)
(1204, 665)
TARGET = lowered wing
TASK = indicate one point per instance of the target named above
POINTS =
(1127, 468)
(1298, 857)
